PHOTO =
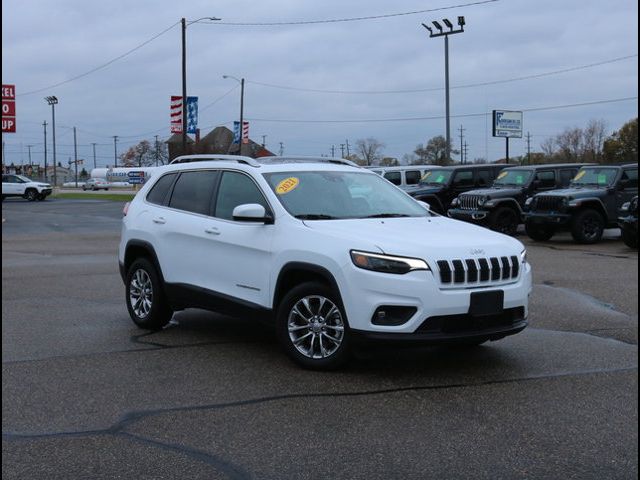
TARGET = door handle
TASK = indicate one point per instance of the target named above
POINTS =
(212, 231)
(159, 220)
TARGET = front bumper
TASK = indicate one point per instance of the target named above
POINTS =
(46, 192)
(477, 216)
(441, 314)
(547, 218)
(630, 222)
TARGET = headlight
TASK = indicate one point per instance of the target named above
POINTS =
(625, 206)
(481, 202)
(455, 202)
(528, 201)
(489, 203)
(523, 257)
(386, 263)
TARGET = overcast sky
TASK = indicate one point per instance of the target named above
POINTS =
(48, 42)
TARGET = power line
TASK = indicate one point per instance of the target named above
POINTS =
(100, 67)
(438, 117)
(351, 19)
(435, 89)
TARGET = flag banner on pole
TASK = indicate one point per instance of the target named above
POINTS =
(245, 132)
(236, 132)
(192, 114)
(176, 114)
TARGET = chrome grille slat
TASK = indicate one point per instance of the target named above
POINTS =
(457, 273)
(469, 202)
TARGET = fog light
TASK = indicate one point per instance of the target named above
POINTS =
(392, 315)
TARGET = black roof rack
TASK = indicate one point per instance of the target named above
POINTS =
(215, 158)
(304, 159)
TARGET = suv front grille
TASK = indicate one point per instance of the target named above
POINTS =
(476, 272)
(547, 203)
(469, 202)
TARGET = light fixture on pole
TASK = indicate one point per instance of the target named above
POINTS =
(445, 33)
(185, 23)
(241, 82)
(53, 101)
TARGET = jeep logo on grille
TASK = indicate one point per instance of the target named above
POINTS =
(477, 251)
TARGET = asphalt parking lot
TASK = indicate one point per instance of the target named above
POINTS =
(85, 394)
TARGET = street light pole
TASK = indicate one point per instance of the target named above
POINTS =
(241, 82)
(53, 101)
(445, 34)
(44, 124)
(184, 24)
(115, 151)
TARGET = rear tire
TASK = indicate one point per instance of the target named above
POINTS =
(587, 226)
(630, 237)
(539, 232)
(312, 327)
(145, 298)
(504, 220)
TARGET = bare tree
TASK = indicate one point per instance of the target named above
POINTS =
(548, 147)
(570, 144)
(434, 151)
(370, 150)
(144, 154)
(594, 135)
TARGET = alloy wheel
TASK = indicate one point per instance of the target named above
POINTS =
(141, 293)
(316, 327)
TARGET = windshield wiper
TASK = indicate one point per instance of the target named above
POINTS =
(315, 216)
(388, 215)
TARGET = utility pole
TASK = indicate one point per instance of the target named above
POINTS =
(53, 101)
(281, 149)
(44, 124)
(333, 151)
(29, 147)
(115, 151)
(157, 152)
(75, 154)
(348, 154)
(95, 164)
(465, 151)
(3, 159)
(461, 145)
(444, 34)
(528, 148)
(264, 141)
(342, 149)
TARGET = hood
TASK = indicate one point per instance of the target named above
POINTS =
(501, 192)
(576, 192)
(424, 189)
(431, 238)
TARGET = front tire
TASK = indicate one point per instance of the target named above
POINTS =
(312, 327)
(504, 220)
(41, 197)
(145, 298)
(587, 227)
(31, 195)
(539, 232)
(630, 237)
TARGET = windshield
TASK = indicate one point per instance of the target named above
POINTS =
(513, 177)
(341, 195)
(601, 177)
(437, 177)
(24, 179)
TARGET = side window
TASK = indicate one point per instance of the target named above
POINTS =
(412, 177)
(566, 175)
(236, 189)
(547, 179)
(463, 178)
(158, 193)
(485, 178)
(631, 177)
(5, 178)
(394, 177)
(193, 190)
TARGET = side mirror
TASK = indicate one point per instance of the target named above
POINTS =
(251, 212)
(536, 184)
(425, 205)
(623, 184)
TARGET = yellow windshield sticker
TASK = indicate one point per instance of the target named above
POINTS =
(502, 175)
(426, 175)
(286, 185)
(580, 174)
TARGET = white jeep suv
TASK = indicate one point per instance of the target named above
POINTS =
(332, 252)
(19, 186)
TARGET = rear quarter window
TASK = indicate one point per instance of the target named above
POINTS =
(160, 191)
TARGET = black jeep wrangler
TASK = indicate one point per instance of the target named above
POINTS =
(440, 185)
(501, 206)
(589, 206)
(628, 222)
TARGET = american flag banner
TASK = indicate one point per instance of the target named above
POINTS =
(236, 132)
(245, 132)
(176, 114)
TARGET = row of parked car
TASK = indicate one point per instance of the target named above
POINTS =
(584, 199)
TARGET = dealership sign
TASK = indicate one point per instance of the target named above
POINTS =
(8, 108)
(507, 123)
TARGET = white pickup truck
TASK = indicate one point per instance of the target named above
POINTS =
(19, 186)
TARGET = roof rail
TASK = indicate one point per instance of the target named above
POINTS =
(215, 158)
(307, 159)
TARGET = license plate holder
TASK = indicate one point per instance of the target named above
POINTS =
(486, 303)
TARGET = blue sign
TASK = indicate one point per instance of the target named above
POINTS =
(136, 180)
(135, 174)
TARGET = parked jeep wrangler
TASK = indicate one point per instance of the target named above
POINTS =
(440, 185)
(628, 222)
(501, 206)
(585, 209)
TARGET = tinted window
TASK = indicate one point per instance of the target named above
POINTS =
(192, 191)
(236, 189)
(412, 177)
(159, 191)
(393, 177)
(485, 177)
(463, 178)
(632, 177)
(566, 176)
(546, 178)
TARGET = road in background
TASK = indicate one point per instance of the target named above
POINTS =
(88, 395)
